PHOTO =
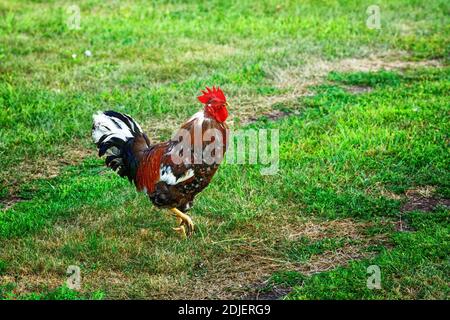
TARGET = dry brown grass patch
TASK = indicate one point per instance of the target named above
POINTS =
(379, 189)
(42, 167)
(249, 263)
(236, 270)
(297, 80)
(33, 282)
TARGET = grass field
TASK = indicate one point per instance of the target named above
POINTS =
(363, 116)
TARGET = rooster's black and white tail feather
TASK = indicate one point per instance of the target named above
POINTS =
(114, 134)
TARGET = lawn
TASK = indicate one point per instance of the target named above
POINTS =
(363, 117)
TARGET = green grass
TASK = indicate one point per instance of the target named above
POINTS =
(60, 293)
(346, 159)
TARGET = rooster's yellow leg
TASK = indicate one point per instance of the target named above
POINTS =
(186, 227)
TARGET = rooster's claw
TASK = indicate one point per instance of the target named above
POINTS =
(186, 226)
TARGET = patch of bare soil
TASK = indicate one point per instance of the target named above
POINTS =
(276, 293)
(423, 199)
(419, 199)
(358, 89)
(8, 203)
(402, 226)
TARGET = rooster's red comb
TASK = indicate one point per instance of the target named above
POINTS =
(213, 96)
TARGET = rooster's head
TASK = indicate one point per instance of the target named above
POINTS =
(215, 103)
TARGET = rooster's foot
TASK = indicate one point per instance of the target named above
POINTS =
(186, 226)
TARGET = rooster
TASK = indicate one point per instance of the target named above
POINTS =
(171, 173)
